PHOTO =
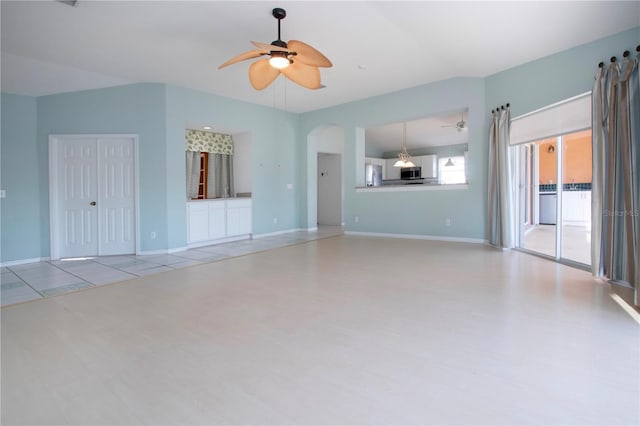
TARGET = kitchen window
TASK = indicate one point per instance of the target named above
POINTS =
(452, 170)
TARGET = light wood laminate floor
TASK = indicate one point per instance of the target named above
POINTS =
(342, 330)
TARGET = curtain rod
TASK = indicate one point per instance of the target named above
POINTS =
(499, 108)
(625, 55)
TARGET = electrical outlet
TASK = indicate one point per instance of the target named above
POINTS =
(357, 219)
(275, 220)
(153, 235)
(447, 222)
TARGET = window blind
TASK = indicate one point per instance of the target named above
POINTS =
(565, 117)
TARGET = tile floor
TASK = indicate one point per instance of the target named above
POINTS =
(36, 280)
(576, 242)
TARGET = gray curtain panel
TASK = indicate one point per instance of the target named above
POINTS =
(615, 241)
(193, 173)
(500, 181)
(220, 178)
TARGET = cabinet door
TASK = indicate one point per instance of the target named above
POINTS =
(429, 166)
(244, 220)
(238, 217)
(392, 172)
(198, 226)
(217, 220)
(572, 207)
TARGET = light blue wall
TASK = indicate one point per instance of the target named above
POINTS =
(131, 109)
(274, 148)
(554, 78)
(20, 176)
(422, 212)
(158, 114)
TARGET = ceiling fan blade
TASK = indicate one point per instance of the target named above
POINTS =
(269, 47)
(305, 75)
(308, 55)
(262, 74)
(242, 57)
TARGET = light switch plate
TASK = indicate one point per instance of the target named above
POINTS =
(289, 186)
(3, 193)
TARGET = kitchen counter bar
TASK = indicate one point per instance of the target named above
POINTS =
(413, 187)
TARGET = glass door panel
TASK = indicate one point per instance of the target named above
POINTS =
(538, 173)
(576, 197)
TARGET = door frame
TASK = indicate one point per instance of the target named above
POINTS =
(54, 232)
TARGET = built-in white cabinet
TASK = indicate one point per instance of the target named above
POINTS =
(211, 221)
(392, 172)
(217, 220)
(238, 217)
(576, 208)
(198, 221)
(428, 163)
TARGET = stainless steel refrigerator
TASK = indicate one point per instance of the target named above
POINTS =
(372, 175)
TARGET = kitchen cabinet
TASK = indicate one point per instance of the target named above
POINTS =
(576, 208)
(211, 221)
(392, 172)
(429, 165)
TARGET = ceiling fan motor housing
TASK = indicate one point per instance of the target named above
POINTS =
(279, 13)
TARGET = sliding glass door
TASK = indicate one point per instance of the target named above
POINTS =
(554, 196)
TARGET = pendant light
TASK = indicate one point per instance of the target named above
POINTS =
(404, 159)
(449, 163)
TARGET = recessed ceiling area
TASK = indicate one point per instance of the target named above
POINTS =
(426, 132)
(376, 47)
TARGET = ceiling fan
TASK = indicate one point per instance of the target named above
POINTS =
(460, 125)
(296, 60)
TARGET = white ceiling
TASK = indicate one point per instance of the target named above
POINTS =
(422, 133)
(376, 46)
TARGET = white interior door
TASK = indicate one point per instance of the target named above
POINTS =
(77, 198)
(116, 196)
(329, 189)
(92, 195)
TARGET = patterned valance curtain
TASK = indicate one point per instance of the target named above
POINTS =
(213, 143)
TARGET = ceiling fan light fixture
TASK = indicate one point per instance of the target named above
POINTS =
(279, 60)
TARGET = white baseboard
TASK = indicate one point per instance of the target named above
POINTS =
(195, 245)
(218, 241)
(286, 231)
(23, 261)
(419, 237)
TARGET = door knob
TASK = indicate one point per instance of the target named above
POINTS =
(93, 203)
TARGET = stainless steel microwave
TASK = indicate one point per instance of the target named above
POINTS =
(411, 173)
